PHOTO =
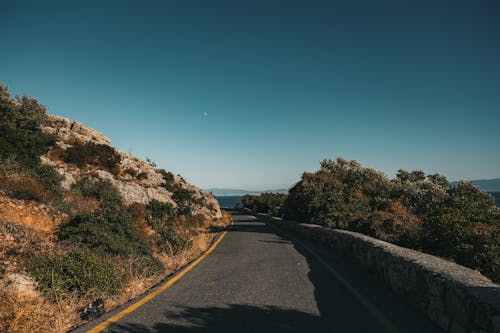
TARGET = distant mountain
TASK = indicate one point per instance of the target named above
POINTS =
(231, 191)
(488, 185)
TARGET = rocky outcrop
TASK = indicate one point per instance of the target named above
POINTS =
(134, 189)
(456, 298)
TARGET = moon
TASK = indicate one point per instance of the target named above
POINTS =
(205, 114)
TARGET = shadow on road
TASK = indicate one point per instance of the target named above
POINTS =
(234, 319)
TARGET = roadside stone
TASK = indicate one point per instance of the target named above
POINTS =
(93, 310)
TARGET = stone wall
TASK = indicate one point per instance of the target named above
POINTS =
(456, 298)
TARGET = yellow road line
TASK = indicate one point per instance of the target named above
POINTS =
(158, 291)
(376, 313)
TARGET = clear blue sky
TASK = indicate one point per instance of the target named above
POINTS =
(249, 94)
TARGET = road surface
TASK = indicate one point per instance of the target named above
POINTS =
(259, 279)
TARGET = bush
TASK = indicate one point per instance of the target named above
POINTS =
(109, 230)
(182, 196)
(169, 239)
(167, 176)
(142, 176)
(89, 153)
(157, 210)
(268, 203)
(169, 181)
(160, 217)
(465, 227)
(50, 177)
(20, 135)
(76, 273)
(414, 209)
(102, 190)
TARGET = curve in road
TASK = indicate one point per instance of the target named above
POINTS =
(260, 279)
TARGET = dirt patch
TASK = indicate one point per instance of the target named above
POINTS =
(28, 213)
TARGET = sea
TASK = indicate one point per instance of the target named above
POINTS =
(229, 201)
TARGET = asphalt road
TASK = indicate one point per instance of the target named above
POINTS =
(261, 280)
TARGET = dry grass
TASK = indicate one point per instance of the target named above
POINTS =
(202, 236)
(34, 314)
(21, 186)
(23, 309)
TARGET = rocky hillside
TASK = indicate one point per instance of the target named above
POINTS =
(136, 180)
(84, 227)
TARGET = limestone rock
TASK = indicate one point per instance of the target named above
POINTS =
(21, 285)
(134, 189)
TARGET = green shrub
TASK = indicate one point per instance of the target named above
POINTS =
(169, 239)
(182, 195)
(107, 230)
(169, 182)
(142, 176)
(50, 177)
(25, 146)
(75, 273)
(157, 210)
(160, 217)
(414, 209)
(89, 153)
(167, 176)
(20, 135)
(102, 190)
(268, 203)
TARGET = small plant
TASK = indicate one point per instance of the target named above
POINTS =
(20, 135)
(182, 195)
(158, 210)
(75, 273)
(169, 239)
(151, 162)
(50, 177)
(142, 176)
(169, 183)
(168, 177)
(102, 190)
(131, 172)
(89, 153)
